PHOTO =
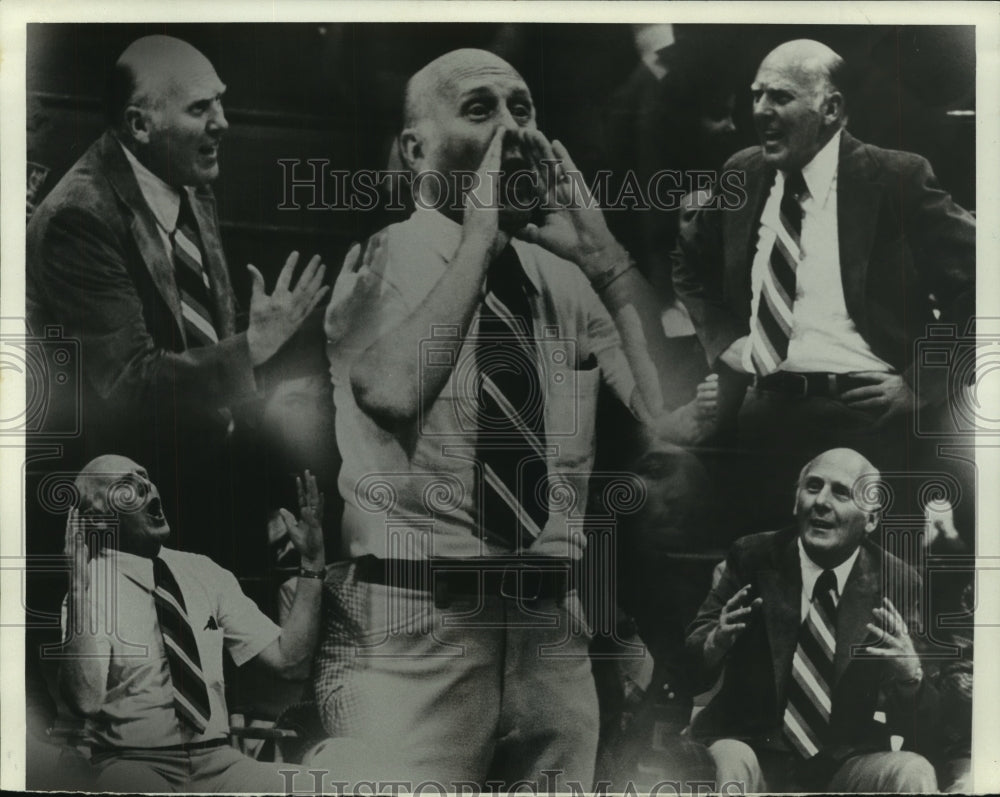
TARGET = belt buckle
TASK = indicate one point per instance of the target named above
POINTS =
(519, 572)
(800, 381)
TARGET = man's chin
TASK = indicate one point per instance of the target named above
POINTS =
(513, 220)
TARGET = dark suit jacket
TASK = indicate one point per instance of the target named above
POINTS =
(901, 237)
(751, 702)
(96, 267)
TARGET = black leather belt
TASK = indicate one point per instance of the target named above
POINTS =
(796, 384)
(185, 747)
(516, 578)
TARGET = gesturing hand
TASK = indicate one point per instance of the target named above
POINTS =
(894, 643)
(481, 217)
(76, 551)
(274, 318)
(306, 533)
(573, 226)
(733, 620)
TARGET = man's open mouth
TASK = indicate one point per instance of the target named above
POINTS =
(819, 523)
(155, 510)
(209, 150)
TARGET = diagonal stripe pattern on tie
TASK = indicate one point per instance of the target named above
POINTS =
(192, 281)
(188, 680)
(771, 326)
(807, 712)
(511, 404)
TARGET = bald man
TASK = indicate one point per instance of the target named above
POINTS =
(816, 292)
(466, 366)
(809, 628)
(145, 629)
(125, 258)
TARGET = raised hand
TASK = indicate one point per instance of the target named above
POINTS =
(894, 644)
(573, 226)
(275, 317)
(76, 551)
(306, 533)
(733, 620)
(481, 217)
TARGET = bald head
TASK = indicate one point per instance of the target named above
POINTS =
(798, 102)
(150, 69)
(439, 81)
(113, 487)
(847, 458)
(813, 62)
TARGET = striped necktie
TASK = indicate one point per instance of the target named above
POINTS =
(772, 325)
(511, 410)
(192, 280)
(190, 692)
(807, 713)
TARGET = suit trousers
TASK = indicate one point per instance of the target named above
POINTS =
(475, 688)
(879, 773)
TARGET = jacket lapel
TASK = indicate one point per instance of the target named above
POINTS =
(781, 589)
(203, 207)
(741, 243)
(143, 225)
(857, 215)
(862, 593)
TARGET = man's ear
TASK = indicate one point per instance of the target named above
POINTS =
(833, 107)
(137, 123)
(872, 521)
(411, 149)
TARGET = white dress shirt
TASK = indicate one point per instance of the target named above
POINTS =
(812, 571)
(824, 338)
(396, 496)
(163, 199)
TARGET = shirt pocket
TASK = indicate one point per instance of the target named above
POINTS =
(570, 410)
(210, 643)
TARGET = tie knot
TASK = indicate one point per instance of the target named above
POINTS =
(825, 584)
(795, 185)
(505, 274)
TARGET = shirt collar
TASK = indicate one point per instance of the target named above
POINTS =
(445, 235)
(821, 170)
(163, 199)
(812, 571)
(136, 568)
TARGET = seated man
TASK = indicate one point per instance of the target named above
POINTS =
(814, 651)
(145, 629)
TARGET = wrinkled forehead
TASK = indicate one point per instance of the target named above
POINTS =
(787, 74)
(102, 475)
(179, 77)
(456, 75)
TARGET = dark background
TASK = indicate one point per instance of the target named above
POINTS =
(334, 90)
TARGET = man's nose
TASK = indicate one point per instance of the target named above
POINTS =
(217, 118)
(823, 498)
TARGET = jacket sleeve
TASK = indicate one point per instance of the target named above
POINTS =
(702, 674)
(942, 237)
(83, 273)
